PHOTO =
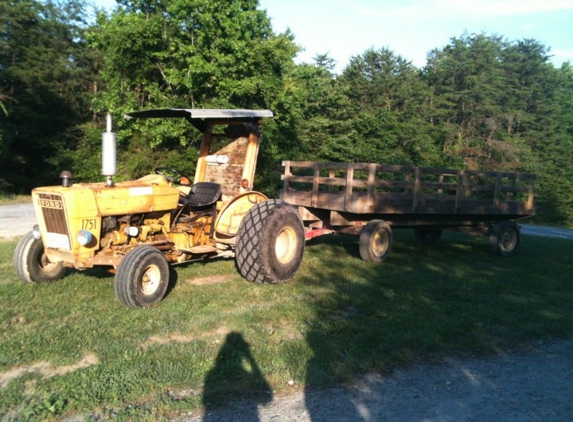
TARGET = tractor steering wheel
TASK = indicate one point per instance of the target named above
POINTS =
(169, 173)
(173, 176)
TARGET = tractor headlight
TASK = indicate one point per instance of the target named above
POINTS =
(84, 237)
(36, 232)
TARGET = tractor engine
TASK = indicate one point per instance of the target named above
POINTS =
(89, 224)
(119, 232)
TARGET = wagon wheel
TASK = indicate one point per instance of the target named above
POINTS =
(375, 241)
(504, 238)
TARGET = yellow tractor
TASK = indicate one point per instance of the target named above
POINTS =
(137, 228)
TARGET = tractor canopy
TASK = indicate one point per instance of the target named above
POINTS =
(233, 164)
(201, 117)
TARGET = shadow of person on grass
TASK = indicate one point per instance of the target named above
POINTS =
(235, 375)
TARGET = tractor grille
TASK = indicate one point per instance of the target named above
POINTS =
(54, 214)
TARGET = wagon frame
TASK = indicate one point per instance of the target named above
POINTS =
(347, 197)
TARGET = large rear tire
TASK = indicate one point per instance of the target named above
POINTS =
(375, 241)
(142, 277)
(270, 243)
(504, 238)
(32, 264)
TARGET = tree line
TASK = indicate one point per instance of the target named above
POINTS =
(481, 102)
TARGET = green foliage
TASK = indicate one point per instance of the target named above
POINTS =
(389, 102)
(488, 92)
(502, 105)
(186, 54)
(481, 102)
(46, 76)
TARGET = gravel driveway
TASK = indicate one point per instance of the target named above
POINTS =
(528, 385)
(535, 384)
(16, 220)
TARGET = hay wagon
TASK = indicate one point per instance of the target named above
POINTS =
(370, 200)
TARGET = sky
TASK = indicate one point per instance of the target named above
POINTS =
(411, 28)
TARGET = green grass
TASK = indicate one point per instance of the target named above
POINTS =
(10, 199)
(215, 335)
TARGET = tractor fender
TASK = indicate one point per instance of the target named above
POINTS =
(231, 215)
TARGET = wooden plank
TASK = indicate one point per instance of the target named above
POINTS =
(439, 186)
(331, 201)
(302, 198)
(348, 191)
(474, 206)
(459, 190)
(436, 206)
(286, 176)
(392, 168)
(478, 188)
(322, 166)
(390, 184)
(315, 185)
(416, 189)
(530, 195)
(513, 184)
(496, 193)
(411, 185)
(371, 180)
(383, 168)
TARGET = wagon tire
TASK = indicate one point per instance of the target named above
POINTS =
(270, 243)
(504, 238)
(32, 264)
(375, 241)
(142, 277)
(427, 235)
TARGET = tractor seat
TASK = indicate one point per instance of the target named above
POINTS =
(202, 195)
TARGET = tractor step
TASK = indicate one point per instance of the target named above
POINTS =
(202, 249)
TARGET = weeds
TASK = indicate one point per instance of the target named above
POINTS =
(11, 199)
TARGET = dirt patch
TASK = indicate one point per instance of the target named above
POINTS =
(46, 369)
(202, 281)
(219, 332)
(157, 340)
(185, 338)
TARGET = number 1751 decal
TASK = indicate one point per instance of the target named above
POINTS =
(89, 223)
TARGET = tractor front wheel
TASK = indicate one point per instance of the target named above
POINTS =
(270, 243)
(142, 277)
(32, 264)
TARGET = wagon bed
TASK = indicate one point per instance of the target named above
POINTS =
(407, 194)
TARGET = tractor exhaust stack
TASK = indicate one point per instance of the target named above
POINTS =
(108, 153)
